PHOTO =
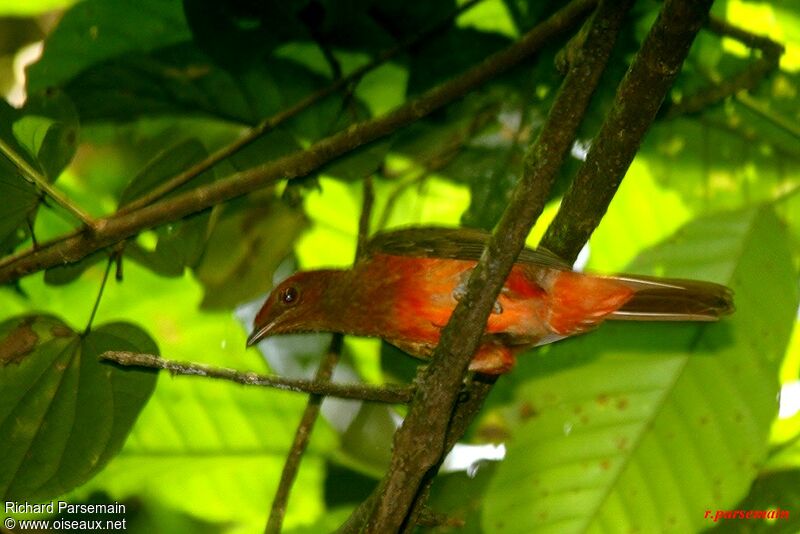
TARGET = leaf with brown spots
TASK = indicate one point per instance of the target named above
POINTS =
(64, 414)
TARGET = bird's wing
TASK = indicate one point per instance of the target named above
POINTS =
(450, 243)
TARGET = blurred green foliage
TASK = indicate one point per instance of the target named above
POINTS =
(631, 426)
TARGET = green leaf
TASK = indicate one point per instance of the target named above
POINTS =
(178, 244)
(645, 426)
(48, 128)
(448, 54)
(65, 414)
(95, 30)
(208, 448)
(246, 245)
(181, 80)
(44, 135)
(165, 165)
(237, 34)
(265, 148)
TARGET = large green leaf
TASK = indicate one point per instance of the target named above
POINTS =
(181, 80)
(208, 448)
(646, 426)
(44, 135)
(64, 414)
(95, 30)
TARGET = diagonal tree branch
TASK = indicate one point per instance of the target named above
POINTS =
(115, 228)
(419, 444)
(637, 101)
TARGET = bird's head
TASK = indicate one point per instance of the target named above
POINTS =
(296, 305)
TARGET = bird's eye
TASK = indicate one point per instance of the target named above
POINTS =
(289, 295)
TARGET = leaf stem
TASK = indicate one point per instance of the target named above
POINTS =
(99, 296)
(390, 394)
(33, 176)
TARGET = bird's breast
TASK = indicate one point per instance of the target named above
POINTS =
(423, 293)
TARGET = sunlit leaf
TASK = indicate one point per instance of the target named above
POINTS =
(597, 421)
(65, 414)
(33, 7)
(245, 247)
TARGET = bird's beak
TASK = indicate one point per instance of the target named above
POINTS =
(259, 334)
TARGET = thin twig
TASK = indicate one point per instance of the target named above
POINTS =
(34, 177)
(419, 444)
(745, 80)
(324, 373)
(765, 113)
(302, 437)
(390, 394)
(116, 228)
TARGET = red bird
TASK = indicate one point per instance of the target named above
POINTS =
(407, 284)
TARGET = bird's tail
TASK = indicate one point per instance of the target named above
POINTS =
(672, 299)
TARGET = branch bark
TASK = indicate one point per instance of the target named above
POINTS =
(389, 394)
(115, 228)
(637, 101)
(420, 442)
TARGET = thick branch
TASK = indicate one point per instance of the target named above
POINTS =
(637, 101)
(420, 443)
(116, 228)
(389, 394)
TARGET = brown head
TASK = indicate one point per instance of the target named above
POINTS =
(298, 304)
